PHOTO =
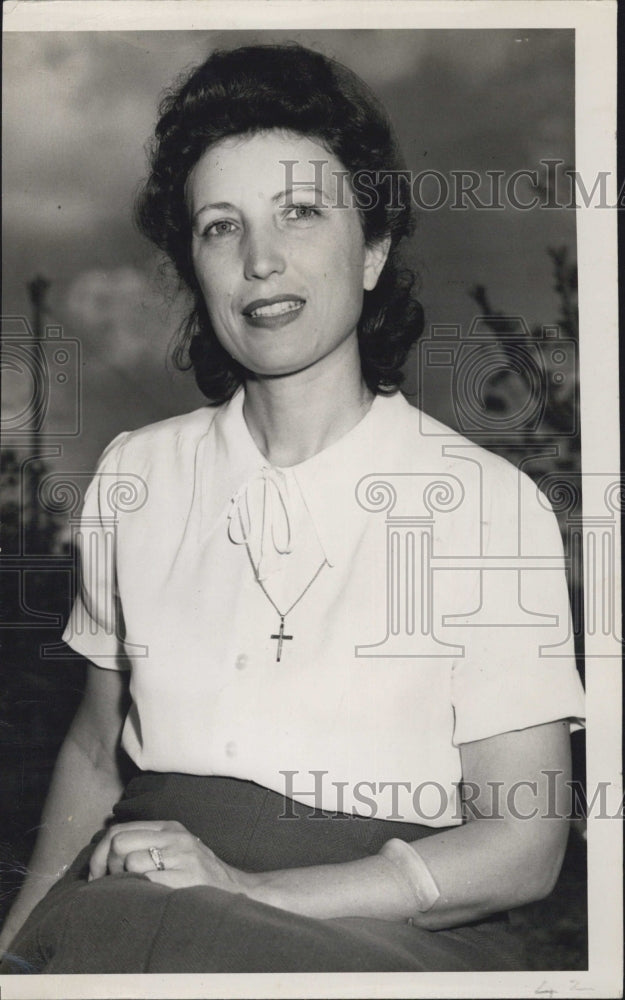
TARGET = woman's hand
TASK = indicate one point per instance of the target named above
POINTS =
(126, 848)
(508, 853)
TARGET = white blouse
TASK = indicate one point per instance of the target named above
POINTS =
(419, 578)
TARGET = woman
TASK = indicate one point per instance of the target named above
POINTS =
(246, 592)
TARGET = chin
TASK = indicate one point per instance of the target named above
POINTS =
(278, 370)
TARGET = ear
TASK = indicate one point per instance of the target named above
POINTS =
(375, 259)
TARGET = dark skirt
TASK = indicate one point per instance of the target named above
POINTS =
(125, 923)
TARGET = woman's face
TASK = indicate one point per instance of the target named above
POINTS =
(281, 260)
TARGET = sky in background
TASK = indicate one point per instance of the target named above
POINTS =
(79, 107)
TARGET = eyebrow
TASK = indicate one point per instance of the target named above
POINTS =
(220, 205)
(299, 186)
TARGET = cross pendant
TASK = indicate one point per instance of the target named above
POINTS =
(280, 636)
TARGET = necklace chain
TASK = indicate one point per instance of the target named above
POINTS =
(280, 636)
(283, 614)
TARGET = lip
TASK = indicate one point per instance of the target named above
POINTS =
(277, 320)
(257, 303)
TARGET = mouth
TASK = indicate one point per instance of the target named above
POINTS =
(279, 305)
(275, 311)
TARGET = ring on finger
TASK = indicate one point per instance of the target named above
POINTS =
(157, 858)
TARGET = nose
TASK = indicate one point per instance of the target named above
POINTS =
(263, 254)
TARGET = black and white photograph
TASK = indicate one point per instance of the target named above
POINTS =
(310, 553)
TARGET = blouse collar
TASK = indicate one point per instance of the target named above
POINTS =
(327, 481)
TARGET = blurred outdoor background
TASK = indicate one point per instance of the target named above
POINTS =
(77, 111)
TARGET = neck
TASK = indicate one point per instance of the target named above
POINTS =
(293, 417)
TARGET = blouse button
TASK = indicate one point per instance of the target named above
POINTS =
(231, 749)
(241, 661)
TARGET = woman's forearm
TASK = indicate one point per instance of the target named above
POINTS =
(80, 798)
(504, 858)
(479, 868)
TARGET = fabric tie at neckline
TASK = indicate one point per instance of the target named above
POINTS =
(268, 492)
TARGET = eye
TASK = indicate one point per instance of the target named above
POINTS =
(302, 213)
(222, 227)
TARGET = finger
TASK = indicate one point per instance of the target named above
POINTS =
(137, 841)
(140, 840)
(98, 862)
(184, 876)
(174, 838)
(142, 862)
(183, 843)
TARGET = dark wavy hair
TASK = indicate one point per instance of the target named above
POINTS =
(257, 88)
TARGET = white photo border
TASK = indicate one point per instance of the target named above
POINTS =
(595, 51)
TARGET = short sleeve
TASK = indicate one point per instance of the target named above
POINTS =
(518, 665)
(95, 625)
